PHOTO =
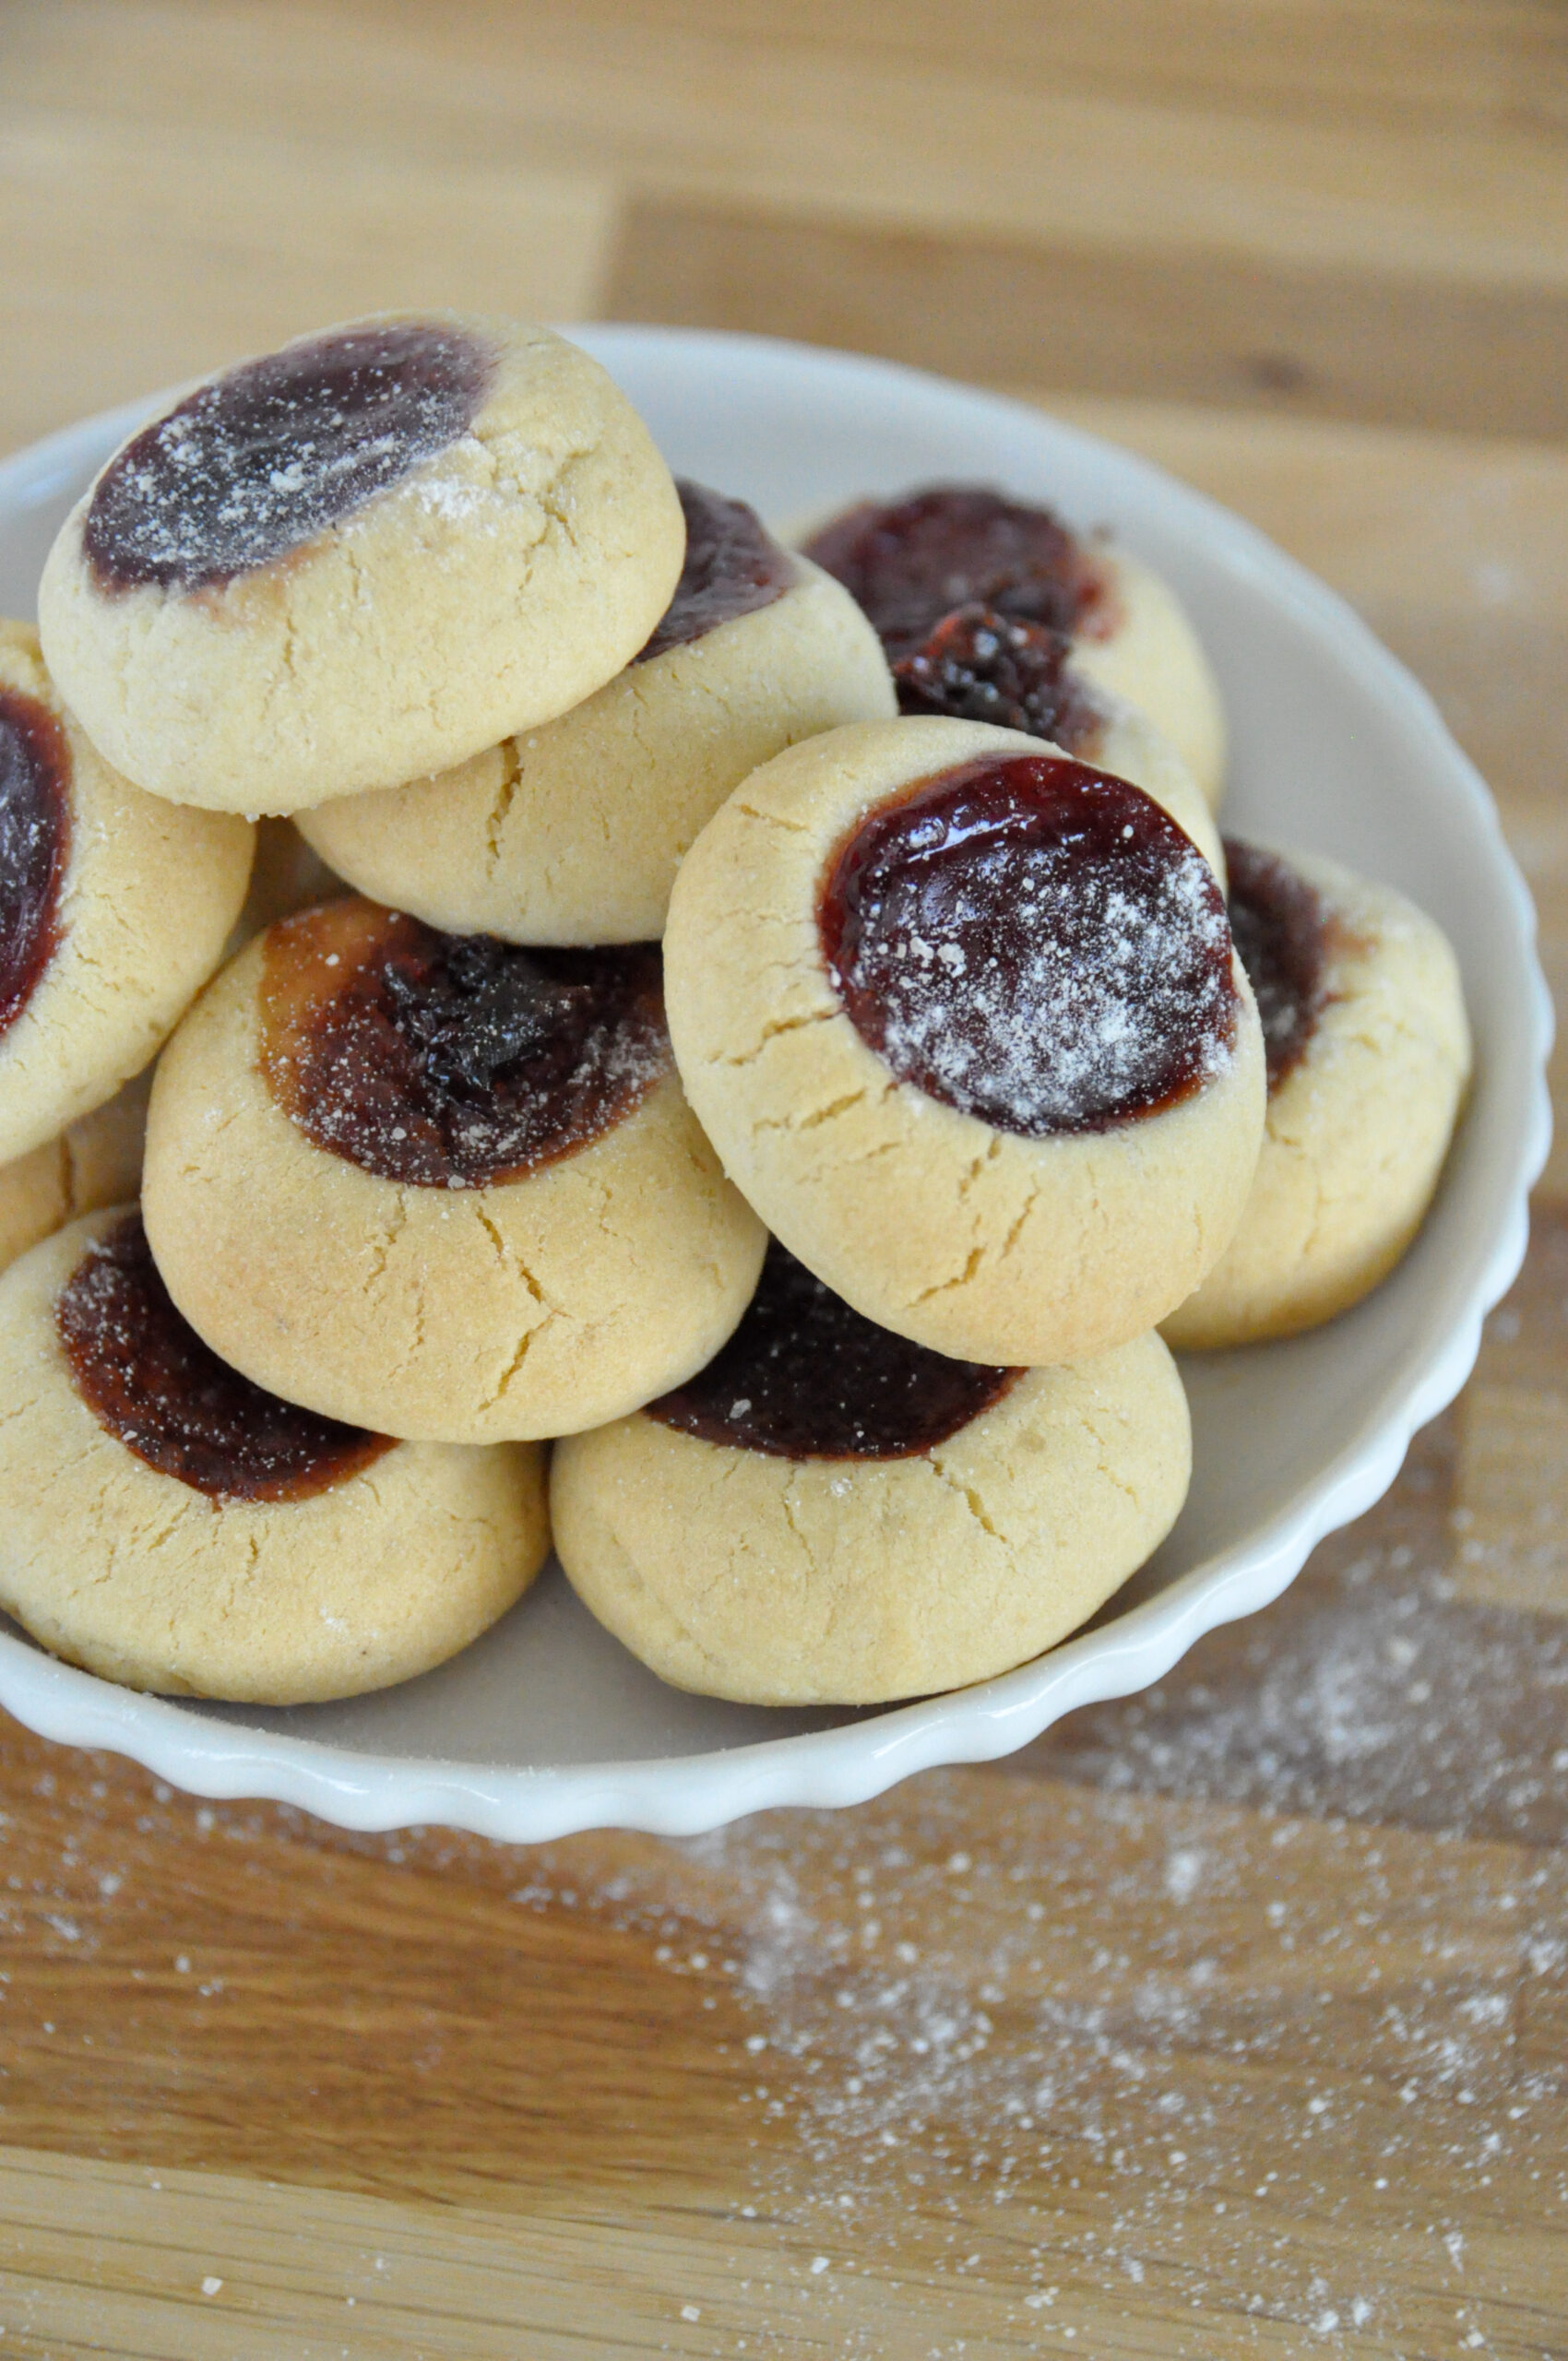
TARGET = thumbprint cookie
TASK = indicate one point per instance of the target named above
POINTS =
(359, 560)
(438, 1185)
(963, 1018)
(910, 561)
(1369, 1053)
(572, 833)
(829, 1514)
(114, 909)
(172, 1527)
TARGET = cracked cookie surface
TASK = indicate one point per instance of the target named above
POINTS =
(358, 561)
(139, 911)
(970, 1238)
(572, 833)
(794, 1576)
(1369, 1055)
(427, 1301)
(140, 1547)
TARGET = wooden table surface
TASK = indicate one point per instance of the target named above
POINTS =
(1228, 2020)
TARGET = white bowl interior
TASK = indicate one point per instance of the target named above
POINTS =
(547, 1723)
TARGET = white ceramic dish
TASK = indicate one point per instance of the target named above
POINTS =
(547, 1726)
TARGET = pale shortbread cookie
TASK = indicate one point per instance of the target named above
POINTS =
(914, 558)
(139, 1576)
(96, 1162)
(359, 561)
(145, 899)
(529, 1307)
(814, 1581)
(966, 1237)
(1357, 1128)
(572, 833)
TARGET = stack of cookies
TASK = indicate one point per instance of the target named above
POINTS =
(768, 1024)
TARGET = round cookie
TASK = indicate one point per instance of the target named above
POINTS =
(360, 559)
(910, 561)
(962, 1019)
(94, 1162)
(979, 665)
(440, 1186)
(113, 910)
(572, 833)
(830, 1515)
(1369, 1053)
(169, 1526)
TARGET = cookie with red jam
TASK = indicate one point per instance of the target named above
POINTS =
(172, 1527)
(440, 1185)
(1369, 1055)
(114, 909)
(572, 833)
(963, 1017)
(910, 561)
(360, 559)
(829, 1514)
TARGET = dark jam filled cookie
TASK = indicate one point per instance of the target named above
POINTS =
(805, 1377)
(733, 567)
(438, 1186)
(35, 843)
(262, 460)
(1368, 1052)
(453, 1061)
(357, 561)
(114, 909)
(172, 1527)
(880, 1525)
(1034, 943)
(963, 1018)
(908, 563)
(148, 1379)
(916, 564)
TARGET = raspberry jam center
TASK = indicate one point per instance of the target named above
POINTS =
(35, 845)
(260, 461)
(1281, 931)
(804, 1377)
(733, 566)
(146, 1376)
(1033, 943)
(445, 1060)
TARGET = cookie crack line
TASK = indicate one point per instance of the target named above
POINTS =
(511, 780)
(972, 1502)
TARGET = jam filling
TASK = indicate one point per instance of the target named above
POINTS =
(908, 562)
(146, 1376)
(1033, 943)
(263, 458)
(1282, 937)
(452, 1061)
(804, 1377)
(733, 566)
(978, 666)
(35, 845)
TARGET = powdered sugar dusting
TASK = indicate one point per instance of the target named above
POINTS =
(261, 460)
(1035, 944)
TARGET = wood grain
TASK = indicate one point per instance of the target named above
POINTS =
(1208, 325)
(1227, 2020)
